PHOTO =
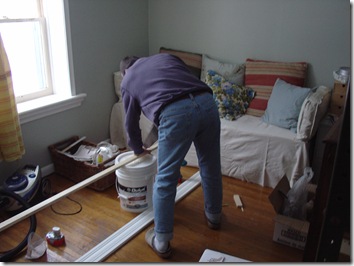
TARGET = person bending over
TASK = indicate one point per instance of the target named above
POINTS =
(184, 111)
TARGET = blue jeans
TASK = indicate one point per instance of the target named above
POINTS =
(192, 119)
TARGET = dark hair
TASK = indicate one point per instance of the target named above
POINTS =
(127, 62)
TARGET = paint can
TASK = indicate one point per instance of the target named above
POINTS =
(134, 182)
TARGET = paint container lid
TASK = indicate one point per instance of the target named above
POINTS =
(146, 163)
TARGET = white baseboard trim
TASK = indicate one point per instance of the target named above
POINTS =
(48, 170)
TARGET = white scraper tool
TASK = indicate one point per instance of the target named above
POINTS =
(238, 201)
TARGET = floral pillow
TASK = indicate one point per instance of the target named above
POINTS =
(232, 99)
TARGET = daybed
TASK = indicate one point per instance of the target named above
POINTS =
(259, 142)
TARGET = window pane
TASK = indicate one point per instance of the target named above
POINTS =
(24, 48)
(13, 9)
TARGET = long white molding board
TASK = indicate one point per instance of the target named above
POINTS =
(135, 226)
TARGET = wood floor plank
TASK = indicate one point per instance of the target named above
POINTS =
(246, 234)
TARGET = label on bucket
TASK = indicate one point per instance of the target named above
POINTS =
(135, 182)
(133, 198)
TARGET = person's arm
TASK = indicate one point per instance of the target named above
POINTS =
(132, 118)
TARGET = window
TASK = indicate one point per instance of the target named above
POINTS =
(23, 33)
(38, 48)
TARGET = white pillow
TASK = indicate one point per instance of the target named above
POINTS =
(117, 80)
(312, 111)
(232, 72)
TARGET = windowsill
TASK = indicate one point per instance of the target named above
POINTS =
(39, 108)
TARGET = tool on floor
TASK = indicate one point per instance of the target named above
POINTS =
(25, 182)
(16, 194)
(26, 213)
(238, 201)
(55, 237)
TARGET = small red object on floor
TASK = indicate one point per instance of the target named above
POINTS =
(55, 237)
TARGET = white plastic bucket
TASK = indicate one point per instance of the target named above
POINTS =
(134, 182)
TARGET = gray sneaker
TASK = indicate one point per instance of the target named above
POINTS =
(211, 225)
(149, 238)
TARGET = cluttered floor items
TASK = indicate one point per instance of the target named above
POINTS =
(101, 153)
(246, 235)
(294, 208)
(78, 159)
(55, 237)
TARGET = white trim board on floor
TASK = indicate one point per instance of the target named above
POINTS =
(135, 226)
(39, 206)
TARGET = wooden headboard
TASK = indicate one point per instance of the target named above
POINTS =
(192, 60)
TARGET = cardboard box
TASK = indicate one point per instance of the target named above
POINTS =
(287, 230)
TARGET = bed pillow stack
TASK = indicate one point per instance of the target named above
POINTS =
(271, 90)
(261, 76)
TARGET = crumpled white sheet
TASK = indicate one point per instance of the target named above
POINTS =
(257, 152)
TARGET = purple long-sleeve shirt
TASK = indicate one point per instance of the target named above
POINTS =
(150, 84)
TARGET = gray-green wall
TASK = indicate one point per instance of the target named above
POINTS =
(314, 31)
(103, 31)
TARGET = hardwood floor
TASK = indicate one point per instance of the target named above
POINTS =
(247, 234)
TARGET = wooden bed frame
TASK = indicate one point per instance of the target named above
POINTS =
(192, 60)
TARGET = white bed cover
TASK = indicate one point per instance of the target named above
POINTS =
(256, 152)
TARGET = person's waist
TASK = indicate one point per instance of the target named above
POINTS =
(188, 95)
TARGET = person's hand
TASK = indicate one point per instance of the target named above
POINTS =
(144, 152)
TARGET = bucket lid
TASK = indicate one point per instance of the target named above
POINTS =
(144, 163)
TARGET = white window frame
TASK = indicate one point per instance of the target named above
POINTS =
(64, 95)
(40, 24)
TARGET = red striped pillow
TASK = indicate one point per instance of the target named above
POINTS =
(261, 75)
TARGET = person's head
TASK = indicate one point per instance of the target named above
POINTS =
(127, 62)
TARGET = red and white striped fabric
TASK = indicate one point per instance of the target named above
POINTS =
(261, 75)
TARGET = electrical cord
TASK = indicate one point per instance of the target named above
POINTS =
(9, 254)
(72, 213)
(47, 192)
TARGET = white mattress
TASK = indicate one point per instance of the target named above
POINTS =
(259, 153)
